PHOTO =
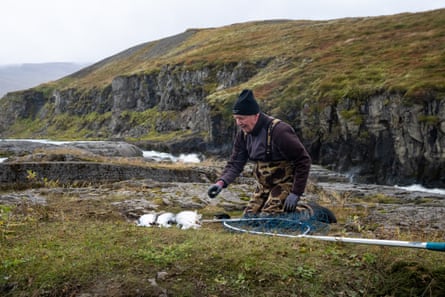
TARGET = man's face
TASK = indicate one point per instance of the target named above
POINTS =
(246, 122)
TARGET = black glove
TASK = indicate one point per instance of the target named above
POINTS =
(291, 202)
(214, 190)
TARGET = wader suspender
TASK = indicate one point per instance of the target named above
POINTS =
(269, 139)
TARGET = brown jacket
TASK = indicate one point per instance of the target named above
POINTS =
(285, 146)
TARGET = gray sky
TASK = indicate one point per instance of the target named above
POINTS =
(36, 31)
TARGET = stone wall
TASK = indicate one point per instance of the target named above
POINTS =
(17, 175)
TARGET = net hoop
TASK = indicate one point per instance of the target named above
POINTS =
(304, 228)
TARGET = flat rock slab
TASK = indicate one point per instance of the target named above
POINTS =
(102, 148)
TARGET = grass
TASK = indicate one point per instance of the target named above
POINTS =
(375, 51)
(72, 246)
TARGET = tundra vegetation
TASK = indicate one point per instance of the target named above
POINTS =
(78, 243)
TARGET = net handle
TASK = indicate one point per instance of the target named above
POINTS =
(433, 246)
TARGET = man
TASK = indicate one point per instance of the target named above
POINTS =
(281, 162)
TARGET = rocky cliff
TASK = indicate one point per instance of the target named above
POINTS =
(382, 139)
(360, 105)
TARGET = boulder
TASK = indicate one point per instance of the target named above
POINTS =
(108, 148)
(102, 148)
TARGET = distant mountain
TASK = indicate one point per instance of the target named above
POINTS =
(24, 76)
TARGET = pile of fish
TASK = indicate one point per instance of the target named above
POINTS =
(185, 220)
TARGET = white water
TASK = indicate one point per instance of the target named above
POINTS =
(420, 188)
(159, 156)
(56, 142)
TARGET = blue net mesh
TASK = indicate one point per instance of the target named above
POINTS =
(310, 218)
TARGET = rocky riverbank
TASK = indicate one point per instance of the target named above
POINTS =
(98, 171)
(378, 210)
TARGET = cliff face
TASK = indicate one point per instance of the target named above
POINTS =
(175, 96)
(383, 138)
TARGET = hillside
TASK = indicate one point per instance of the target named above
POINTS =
(402, 52)
(365, 94)
(24, 76)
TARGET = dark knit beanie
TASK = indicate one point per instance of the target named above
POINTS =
(246, 104)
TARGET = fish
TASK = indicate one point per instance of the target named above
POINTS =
(147, 220)
(166, 219)
(188, 219)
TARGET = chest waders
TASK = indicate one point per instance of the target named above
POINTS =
(274, 181)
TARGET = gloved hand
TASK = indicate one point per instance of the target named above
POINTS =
(214, 190)
(291, 202)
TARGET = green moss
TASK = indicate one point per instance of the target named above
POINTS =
(23, 128)
(46, 89)
(429, 119)
(352, 115)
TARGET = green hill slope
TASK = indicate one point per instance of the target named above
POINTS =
(314, 59)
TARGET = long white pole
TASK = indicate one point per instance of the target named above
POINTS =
(434, 246)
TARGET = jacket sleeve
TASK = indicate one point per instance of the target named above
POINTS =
(237, 160)
(291, 148)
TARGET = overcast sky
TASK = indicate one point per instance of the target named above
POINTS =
(36, 31)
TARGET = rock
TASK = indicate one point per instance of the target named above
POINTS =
(161, 275)
(102, 148)
(65, 173)
(23, 197)
(108, 148)
(22, 147)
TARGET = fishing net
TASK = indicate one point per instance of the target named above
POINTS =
(309, 218)
(312, 221)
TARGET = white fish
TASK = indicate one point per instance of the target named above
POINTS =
(188, 219)
(147, 220)
(166, 219)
